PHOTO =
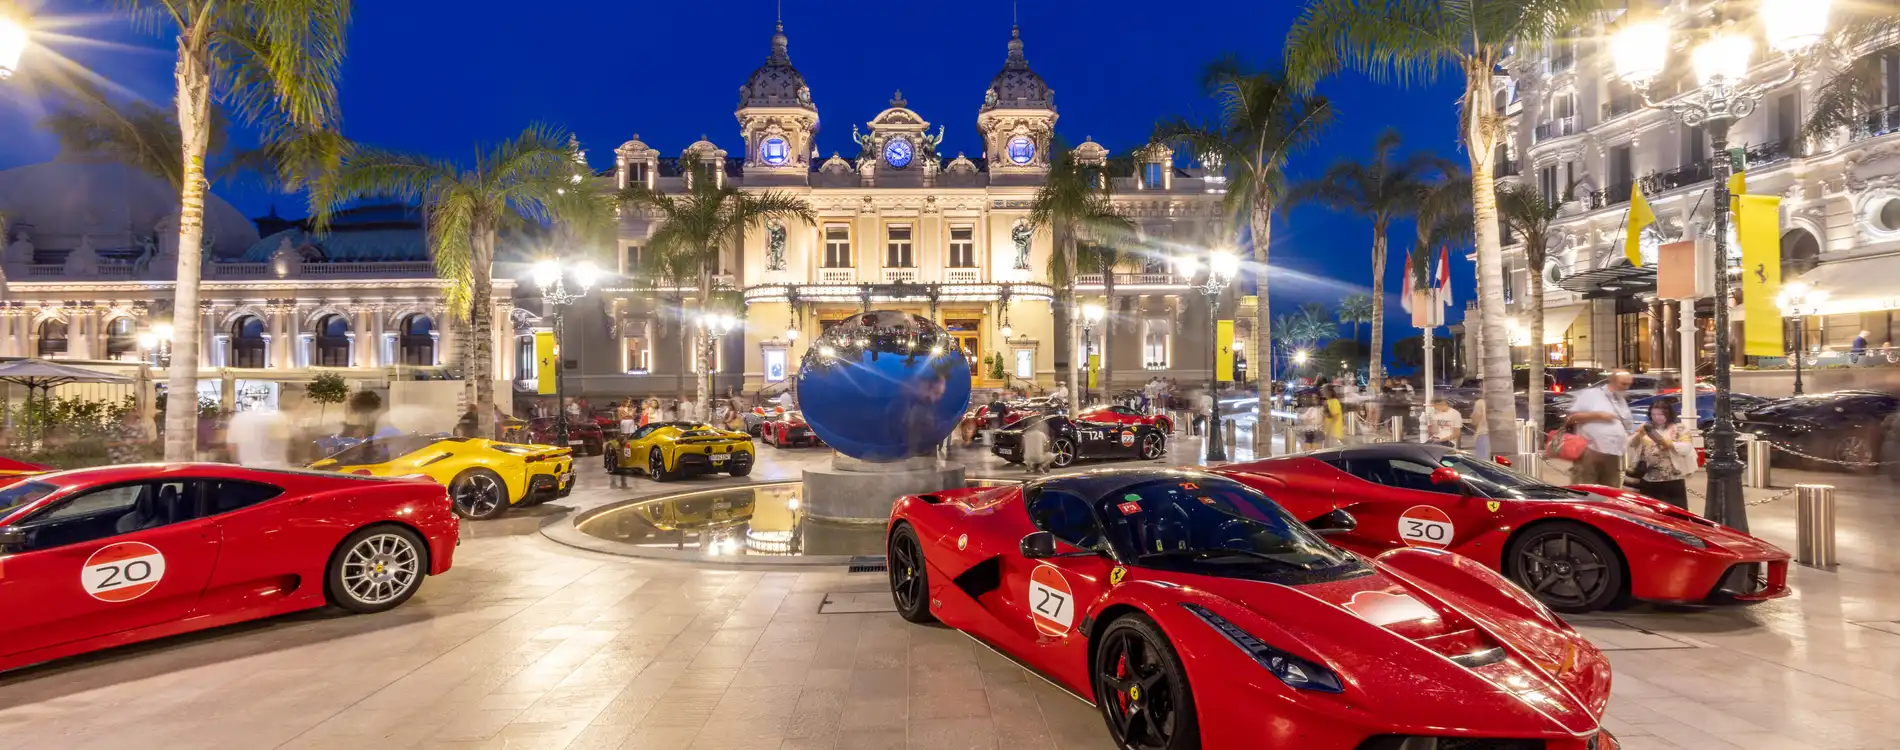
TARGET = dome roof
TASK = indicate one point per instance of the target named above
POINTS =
(1018, 87)
(776, 83)
(59, 203)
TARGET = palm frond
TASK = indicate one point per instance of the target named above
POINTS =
(277, 60)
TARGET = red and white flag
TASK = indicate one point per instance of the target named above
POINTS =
(1442, 285)
(1405, 290)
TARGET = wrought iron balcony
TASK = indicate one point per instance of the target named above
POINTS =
(1613, 195)
(1506, 168)
(1772, 152)
(1555, 128)
(1875, 123)
(1685, 175)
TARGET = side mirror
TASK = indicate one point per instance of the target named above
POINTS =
(1334, 523)
(1039, 545)
(1444, 475)
(12, 537)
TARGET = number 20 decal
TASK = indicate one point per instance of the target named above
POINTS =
(122, 572)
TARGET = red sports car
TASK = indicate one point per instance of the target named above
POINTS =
(786, 429)
(1125, 415)
(97, 558)
(1196, 613)
(1577, 549)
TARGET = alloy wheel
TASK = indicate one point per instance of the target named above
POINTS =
(1136, 689)
(380, 568)
(1561, 569)
(479, 496)
(1064, 452)
(906, 566)
(1151, 447)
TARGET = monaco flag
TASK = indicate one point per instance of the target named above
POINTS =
(1405, 290)
(1442, 284)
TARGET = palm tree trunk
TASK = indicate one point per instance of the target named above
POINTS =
(481, 325)
(1263, 328)
(1534, 395)
(1495, 355)
(703, 349)
(686, 352)
(1375, 367)
(193, 76)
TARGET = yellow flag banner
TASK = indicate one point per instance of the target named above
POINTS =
(544, 363)
(1758, 226)
(1640, 216)
(1224, 354)
(1095, 368)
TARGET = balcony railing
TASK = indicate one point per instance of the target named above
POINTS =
(1772, 152)
(1687, 174)
(1127, 279)
(1618, 106)
(1876, 123)
(1616, 194)
(962, 276)
(1506, 168)
(895, 275)
(837, 276)
(1556, 128)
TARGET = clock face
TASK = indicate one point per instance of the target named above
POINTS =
(897, 153)
(1021, 150)
(774, 151)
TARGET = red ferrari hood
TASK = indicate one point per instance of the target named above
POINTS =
(1653, 511)
(1425, 660)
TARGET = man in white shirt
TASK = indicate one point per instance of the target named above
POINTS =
(1602, 417)
(1060, 394)
(1445, 424)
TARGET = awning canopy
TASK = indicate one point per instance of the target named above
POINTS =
(1613, 281)
(1557, 321)
(1858, 285)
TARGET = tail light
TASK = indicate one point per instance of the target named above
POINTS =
(1556, 387)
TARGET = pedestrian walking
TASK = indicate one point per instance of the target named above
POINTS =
(1658, 452)
(1444, 424)
(1602, 416)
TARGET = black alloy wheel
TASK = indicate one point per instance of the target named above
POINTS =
(1151, 447)
(1063, 452)
(1568, 566)
(1142, 690)
(656, 466)
(1858, 449)
(910, 582)
(478, 494)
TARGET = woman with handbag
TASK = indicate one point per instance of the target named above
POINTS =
(1657, 451)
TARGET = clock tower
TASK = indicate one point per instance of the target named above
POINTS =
(1017, 119)
(900, 150)
(777, 119)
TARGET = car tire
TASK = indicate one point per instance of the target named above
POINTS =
(478, 494)
(1135, 667)
(656, 466)
(739, 472)
(1062, 453)
(1548, 560)
(910, 577)
(1165, 425)
(1859, 449)
(376, 569)
(1152, 446)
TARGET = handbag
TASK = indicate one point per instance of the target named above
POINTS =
(1565, 444)
(1636, 471)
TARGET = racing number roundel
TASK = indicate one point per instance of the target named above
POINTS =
(1051, 601)
(1425, 526)
(122, 572)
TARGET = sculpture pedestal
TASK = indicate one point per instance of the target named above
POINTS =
(850, 490)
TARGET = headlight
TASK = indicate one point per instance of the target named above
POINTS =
(1680, 536)
(1296, 672)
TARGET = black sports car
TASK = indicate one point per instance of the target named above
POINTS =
(1071, 440)
(1838, 426)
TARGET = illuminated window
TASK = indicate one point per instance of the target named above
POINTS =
(837, 246)
(897, 248)
(962, 247)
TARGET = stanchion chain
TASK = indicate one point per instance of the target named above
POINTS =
(1834, 461)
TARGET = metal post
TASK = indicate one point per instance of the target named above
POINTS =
(1685, 318)
(1289, 441)
(1814, 524)
(1228, 430)
(1800, 351)
(1725, 504)
(1423, 420)
(1758, 475)
(1396, 428)
(1530, 464)
(560, 390)
(1215, 450)
(1527, 437)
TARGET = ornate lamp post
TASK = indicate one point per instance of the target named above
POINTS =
(1222, 267)
(1798, 300)
(714, 326)
(13, 41)
(1091, 315)
(552, 276)
(1639, 51)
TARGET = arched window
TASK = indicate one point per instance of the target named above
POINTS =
(333, 341)
(418, 341)
(1799, 252)
(52, 338)
(122, 340)
(247, 342)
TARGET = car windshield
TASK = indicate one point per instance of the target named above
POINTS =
(383, 449)
(1491, 480)
(20, 495)
(1214, 526)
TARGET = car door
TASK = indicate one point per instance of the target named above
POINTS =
(1403, 508)
(272, 546)
(1050, 598)
(105, 560)
(1097, 439)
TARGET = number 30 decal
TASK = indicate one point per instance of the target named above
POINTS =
(122, 572)
(1426, 526)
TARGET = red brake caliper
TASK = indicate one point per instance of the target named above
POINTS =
(1121, 672)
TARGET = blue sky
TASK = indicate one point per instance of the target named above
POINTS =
(440, 77)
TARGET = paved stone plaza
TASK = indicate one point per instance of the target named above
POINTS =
(531, 644)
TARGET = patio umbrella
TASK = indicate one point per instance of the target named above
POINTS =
(45, 375)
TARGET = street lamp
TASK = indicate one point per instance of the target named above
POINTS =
(13, 41)
(716, 325)
(157, 344)
(1222, 267)
(1639, 49)
(1798, 300)
(552, 277)
(1091, 315)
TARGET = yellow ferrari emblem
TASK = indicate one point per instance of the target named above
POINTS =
(1493, 505)
(1115, 576)
(1134, 692)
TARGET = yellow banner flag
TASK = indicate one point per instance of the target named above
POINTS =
(1758, 227)
(1224, 356)
(1095, 368)
(544, 363)
(1640, 216)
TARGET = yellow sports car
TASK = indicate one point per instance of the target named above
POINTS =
(484, 477)
(665, 450)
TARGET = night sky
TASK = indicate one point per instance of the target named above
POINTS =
(439, 77)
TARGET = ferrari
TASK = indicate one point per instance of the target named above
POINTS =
(1576, 549)
(162, 549)
(1072, 440)
(668, 450)
(788, 428)
(1125, 416)
(1193, 612)
(484, 477)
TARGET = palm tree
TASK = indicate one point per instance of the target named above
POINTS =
(698, 225)
(1529, 214)
(1443, 220)
(673, 269)
(275, 64)
(467, 209)
(1264, 120)
(1104, 258)
(1354, 310)
(1414, 41)
(133, 133)
(1303, 328)
(1073, 206)
(1382, 189)
(1844, 99)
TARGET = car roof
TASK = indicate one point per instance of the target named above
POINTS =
(1093, 484)
(1414, 451)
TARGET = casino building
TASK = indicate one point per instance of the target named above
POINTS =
(911, 216)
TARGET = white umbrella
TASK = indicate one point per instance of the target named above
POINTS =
(45, 375)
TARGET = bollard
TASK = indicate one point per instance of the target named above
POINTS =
(1758, 458)
(1228, 430)
(1396, 428)
(1530, 464)
(1527, 437)
(1289, 439)
(1814, 524)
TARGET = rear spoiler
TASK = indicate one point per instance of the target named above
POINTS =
(707, 439)
(548, 453)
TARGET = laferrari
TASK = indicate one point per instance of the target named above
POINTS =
(1193, 612)
(484, 477)
(1072, 440)
(669, 450)
(1576, 549)
(1123, 415)
(97, 558)
(790, 429)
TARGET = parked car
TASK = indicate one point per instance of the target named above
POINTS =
(1741, 403)
(1071, 440)
(1125, 415)
(583, 435)
(1843, 426)
(790, 429)
(484, 477)
(756, 418)
(668, 450)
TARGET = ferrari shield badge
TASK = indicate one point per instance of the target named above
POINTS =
(1493, 505)
(1115, 576)
(963, 541)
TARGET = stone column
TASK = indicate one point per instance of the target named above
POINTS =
(207, 336)
(283, 336)
(451, 341)
(368, 337)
